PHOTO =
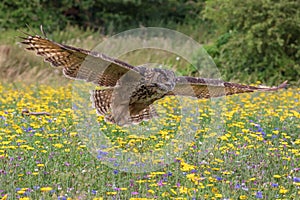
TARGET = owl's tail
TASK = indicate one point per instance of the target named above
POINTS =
(101, 100)
(144, 115)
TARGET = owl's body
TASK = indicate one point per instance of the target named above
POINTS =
(154, 84)
(131, 91)
(133, 96)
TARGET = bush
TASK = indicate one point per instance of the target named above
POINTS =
(259, 39)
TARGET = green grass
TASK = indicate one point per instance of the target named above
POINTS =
(242, 146)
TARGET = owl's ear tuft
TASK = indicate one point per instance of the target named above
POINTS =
(43, 32)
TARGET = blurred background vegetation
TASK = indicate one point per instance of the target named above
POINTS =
(251, 40)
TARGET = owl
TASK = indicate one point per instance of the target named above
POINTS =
(129, 91)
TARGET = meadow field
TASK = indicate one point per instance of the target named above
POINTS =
(256, 154)
(247, 146)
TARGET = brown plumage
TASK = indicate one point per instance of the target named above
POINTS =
(131, 90)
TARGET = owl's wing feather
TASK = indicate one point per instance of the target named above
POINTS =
(78, 63)
(102, 100)
(208, 88)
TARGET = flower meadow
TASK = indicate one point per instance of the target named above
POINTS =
(243, 146)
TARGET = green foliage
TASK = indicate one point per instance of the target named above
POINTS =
(108, 16)
(258, 38)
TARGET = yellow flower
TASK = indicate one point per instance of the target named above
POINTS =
(46, 189)
(4, 197)
(214, 190)
(243, 197)
(277, 176)
(219, 160)
(111, 193)
(58, 145)
(173, 191)
(151, 191)
(206, 172)
(165, 194)
(73, 134)
(183, 190)
(283, 191)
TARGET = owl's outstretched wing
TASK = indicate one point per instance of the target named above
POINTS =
(208, 88)
(79, 63)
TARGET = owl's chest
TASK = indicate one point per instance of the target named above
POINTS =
(145, 95)
(142, 98)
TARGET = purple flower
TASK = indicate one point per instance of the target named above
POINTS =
(94, 192)
(219, 178)
(160, 183)
(259, 195)
(134, 193)
(27, 193)
(101, 154)
(296, 179)
(36, 187)
(131, 183)
(274, 184)
(237, 186)
(116, 171)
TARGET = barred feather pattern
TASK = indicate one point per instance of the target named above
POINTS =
(101, 100)
(78, 63)
(144, 115)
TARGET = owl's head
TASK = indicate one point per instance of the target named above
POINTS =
(163, 80)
